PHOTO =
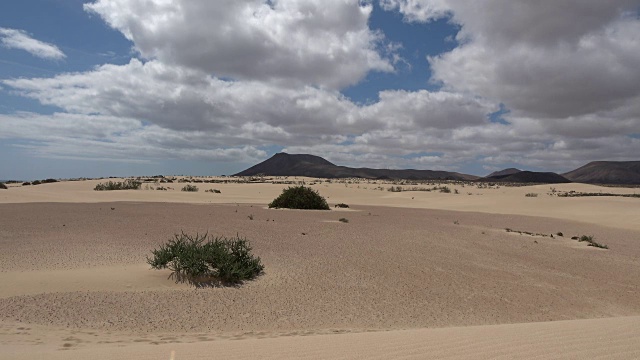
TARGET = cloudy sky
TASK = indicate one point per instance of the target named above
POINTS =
(206, 87)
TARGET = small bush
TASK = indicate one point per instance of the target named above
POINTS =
(344, 220)
(205, 261)
(48, 181)
(591, 242)
(342, 205)
(26, 183)
(37, 182)
(128, 184)
(445, 189)
(215, 191)
(300, 197)
(190, 188)
(560, 234)
(3, 186)
(531, 195)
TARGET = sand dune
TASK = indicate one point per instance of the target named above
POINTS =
(433, 275)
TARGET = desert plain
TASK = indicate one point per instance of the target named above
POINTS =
(411, 275)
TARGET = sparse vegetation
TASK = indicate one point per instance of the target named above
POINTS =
(204, 260)
(590, 242)
(342, 205)
(128, 184)
(344, 220)
(250, 216)
(531, 195)
(216, 191)
(583, 194)
(300, 197)
(190, 188)
(3, 186)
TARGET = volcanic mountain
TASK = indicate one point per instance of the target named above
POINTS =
(283, 164)
(529, 177)
(509, 171)
(607, 172)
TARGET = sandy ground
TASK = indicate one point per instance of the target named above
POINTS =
(412, 274)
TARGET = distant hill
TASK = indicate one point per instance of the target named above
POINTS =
(509, 171)
(607, 172)
(283, 164)
(529, 177)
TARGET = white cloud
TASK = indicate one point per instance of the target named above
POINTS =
(19, 39)
(226, 80)
(313, 42)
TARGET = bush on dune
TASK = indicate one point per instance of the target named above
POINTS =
(205, 260)
(3, 186)
(120, 185)
(300, 197)
(190, 188)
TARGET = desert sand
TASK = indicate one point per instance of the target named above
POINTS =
(413, 274)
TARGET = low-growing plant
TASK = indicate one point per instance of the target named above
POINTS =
(215, 191)
(590, 242)
(3, 186)
(26, 183)
(531, 195)
(300, 197)
(190, 188)
(128, 184)
(203, 260)
(342, 205)
(344, 220)
(445, 189)
(250, 216)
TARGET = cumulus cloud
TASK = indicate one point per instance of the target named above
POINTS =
(545, 59)
(200, 111)
(19, 39)
(226, 80)
(312, 42)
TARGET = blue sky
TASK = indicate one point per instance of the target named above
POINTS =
(123, 87)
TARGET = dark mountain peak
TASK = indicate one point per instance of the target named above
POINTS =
(531, 177)
(283, 164)
(298, 158)
(607, 172)
(509, 171)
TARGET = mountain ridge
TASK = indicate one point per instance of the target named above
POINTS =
(283, 164)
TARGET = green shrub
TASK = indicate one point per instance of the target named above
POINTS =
(204, 260)
(37, 182)
(190, 188)
(128, 184)
(26, 183)
(300, 197)
(3, 186)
